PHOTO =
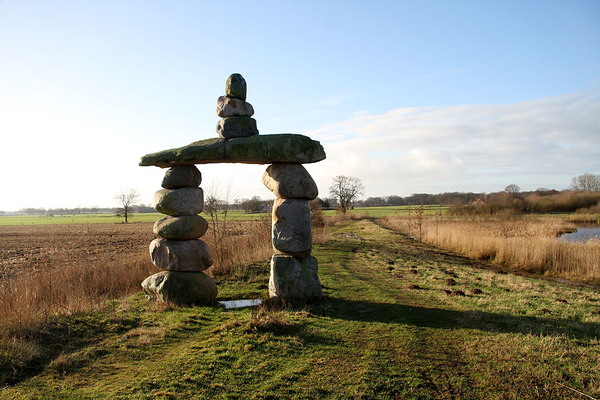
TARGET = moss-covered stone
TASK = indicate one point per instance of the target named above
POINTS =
(182, 288)
(181, 255)
(236, 86)
(292, 234)
(294, 280)
(180, 176)
(184, 227)
(182, 201)
(236, 127)
(259, 149)
(290, 181)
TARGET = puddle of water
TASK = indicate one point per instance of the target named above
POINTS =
(583, 234)
(229, 304)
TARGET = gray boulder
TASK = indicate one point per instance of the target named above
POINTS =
(236, 87)
(179, 176)
(182, 201)
(184, 227)
(232, 107)
(257, 149)
(290, 181)
(292, 232)
(181, 255)
(181, 288)
(236, 127)
(294, 279)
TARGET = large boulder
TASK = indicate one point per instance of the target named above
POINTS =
(257, 149)
(181, 288)
(182, 201)
(236, 127)
(294, 279)
(232, 107)
(181, 255)
(184, 227)
(236, 86)
(290, 181)
(292, 231)
(179, 176)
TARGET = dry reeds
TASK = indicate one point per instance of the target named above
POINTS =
(34, 297)
(526, 244)
(242, 243)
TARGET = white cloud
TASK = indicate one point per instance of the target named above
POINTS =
(467, 147)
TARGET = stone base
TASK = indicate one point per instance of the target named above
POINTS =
(294, 280)
(181, 288)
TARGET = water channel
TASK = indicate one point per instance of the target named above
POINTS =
(583, 233)
(229, 304)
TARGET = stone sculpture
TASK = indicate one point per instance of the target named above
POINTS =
(181, 253)
(178, 249)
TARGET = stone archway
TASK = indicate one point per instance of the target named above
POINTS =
(181, 253)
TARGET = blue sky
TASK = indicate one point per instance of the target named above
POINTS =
(409, 96)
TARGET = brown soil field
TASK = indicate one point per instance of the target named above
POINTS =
(27, 248)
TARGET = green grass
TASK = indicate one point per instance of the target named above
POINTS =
(376, 336)
(108, 218)
(378, 212)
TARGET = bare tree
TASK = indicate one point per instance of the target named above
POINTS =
(586, 182)
(127, 198)
(217, 206)
(346, 189)
(512, 189)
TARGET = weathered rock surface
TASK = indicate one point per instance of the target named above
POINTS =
(294, 279)
(290, 181)
(181, 255)
(184, 227)
(181, 288)
(236, 86)
(232, 107)
(237, 127)
(179, 176)
(292, 232)
(183, 201)
(258, 149)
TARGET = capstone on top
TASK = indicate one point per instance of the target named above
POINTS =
(236, 87)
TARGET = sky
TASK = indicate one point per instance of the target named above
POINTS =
(408, 96)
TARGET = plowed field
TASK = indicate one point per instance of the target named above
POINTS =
(37, 246)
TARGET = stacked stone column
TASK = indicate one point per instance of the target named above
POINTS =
(235, 111)
(178, 249)
(294, 272)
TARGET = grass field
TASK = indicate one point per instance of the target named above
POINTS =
(108, 218)
(400, 320)
(379, 212)
(371, 212)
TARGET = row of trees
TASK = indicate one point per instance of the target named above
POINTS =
(344, 192)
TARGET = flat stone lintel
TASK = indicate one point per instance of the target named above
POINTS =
(259, 149)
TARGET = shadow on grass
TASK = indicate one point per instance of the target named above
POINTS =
(364, 311)
(60, 340)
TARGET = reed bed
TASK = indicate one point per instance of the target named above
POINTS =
(523, 244)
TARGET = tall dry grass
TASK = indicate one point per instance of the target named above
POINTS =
(61, 286)
(33, 297)
(526, 244)
(239, 244)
